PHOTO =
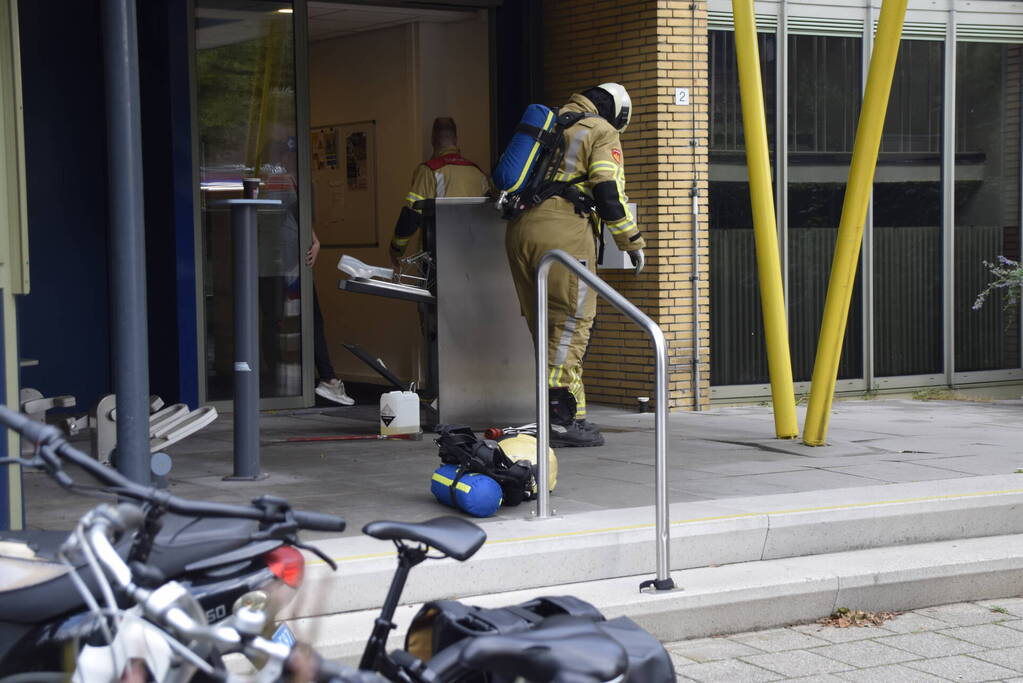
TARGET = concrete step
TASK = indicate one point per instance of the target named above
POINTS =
(752, 595)
(610, 544)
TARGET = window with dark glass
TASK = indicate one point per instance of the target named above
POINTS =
(908, 280)
(987, 200)
(824, 85)
(738, 354)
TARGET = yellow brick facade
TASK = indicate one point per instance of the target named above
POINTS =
(651, 47)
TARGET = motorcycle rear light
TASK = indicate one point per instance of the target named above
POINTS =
(287, 564)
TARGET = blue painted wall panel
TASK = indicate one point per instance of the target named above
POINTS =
(167, 158)
(64, 321)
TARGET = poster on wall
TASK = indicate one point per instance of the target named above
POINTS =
(344, 184)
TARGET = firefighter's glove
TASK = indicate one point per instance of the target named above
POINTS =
(396, 254)
(638, 259)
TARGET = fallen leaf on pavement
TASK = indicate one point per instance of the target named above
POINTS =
(843, 617)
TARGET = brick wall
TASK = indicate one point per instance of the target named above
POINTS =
(651, 47)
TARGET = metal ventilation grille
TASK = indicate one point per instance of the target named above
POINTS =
(989, 33)
(921, 30)
(822, 26)
(722, 21)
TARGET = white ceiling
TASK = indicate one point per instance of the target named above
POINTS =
(241, 21)
(334, 20)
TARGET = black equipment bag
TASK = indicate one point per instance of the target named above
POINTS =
(440, 627)
(649, 662)
(442, 623)
(461, 447)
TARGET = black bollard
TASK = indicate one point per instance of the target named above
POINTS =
(246, 331)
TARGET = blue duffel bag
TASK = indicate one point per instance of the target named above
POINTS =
(476, 494)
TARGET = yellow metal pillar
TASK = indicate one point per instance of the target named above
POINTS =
(854, 213)
(772, 293)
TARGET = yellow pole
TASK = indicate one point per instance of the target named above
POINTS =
(772, 293)
(854, 213)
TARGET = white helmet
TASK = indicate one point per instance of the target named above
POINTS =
(622, 104)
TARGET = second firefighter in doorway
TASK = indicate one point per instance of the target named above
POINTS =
(571, 221)
(446, 174)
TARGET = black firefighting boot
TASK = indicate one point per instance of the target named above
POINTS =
(566, 431)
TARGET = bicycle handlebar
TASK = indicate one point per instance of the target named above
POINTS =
(53, 447)
(305, 664)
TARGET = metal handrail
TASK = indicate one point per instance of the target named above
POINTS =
(663, 580)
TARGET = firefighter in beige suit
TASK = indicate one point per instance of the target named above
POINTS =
(446, 174)
(594, 192)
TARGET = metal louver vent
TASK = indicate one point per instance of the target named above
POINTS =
(722, 21)
(989, 33)
(823, 26)
(926, 30)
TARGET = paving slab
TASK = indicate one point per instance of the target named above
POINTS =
(963, 668)
(978, 465)
(1016, 624)
(899, 471)
(987, 635)
(896, 673)
(728, 671)
(864, 653)
(1010, 658)
(929, 655)
(962, 614)
(796, 663)
(914, 622)
(778, 640)
(678, 660)
(1013, 606)
(702, 650)
(931, 644)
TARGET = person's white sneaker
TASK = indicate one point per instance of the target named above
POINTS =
(334, 390)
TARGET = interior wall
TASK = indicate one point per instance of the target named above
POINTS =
(369, 76)
(401, 77)
(454, 67)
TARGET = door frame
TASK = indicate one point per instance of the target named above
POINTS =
(306, 397)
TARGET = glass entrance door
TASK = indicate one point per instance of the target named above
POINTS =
(248, 127)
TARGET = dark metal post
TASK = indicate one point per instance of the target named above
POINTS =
(246, 334)
(127, 240)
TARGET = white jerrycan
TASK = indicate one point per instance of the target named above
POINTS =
(399, 413)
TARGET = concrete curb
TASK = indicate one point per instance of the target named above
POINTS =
(522, 555)
(754, 595)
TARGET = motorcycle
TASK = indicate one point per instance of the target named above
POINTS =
(562, 648)
(224, 555)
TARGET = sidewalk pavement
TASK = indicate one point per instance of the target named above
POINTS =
(725, 452)
(971, 641)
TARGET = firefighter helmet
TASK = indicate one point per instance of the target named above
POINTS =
(622, 105)
(523, 447)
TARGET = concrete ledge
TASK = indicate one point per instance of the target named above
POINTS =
(762, 594)
(523, 554)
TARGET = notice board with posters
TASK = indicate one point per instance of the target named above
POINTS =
(343, 159)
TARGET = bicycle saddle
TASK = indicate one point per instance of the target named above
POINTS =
(452, 536)
(561, 649)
